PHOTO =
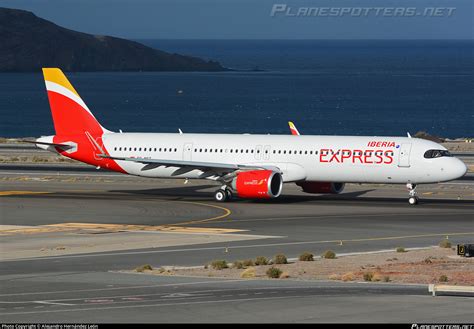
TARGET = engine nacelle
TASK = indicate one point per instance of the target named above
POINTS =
(258, 184)
(322, 187)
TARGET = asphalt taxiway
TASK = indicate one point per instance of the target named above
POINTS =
(65, 234)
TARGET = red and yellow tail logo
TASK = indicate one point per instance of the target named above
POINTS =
(74, 122)
(70, 114)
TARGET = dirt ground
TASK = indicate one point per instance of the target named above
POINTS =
(415, 266)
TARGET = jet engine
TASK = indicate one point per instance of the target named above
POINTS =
(258, 184)
(322, 187)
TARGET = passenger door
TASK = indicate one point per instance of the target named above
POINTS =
(404, 155)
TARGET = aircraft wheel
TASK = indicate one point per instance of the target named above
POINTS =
(413, 200)
(220, 196)
(229, 194)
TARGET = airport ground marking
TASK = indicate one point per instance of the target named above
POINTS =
(337, 241)
(8, 193)
(95, 227)
(227, 213)
(216, 280)
(156, 305)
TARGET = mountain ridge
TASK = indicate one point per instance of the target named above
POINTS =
(30, 43)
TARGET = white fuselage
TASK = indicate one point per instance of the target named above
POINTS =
(300, 158)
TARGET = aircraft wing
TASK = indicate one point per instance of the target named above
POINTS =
(221, 167)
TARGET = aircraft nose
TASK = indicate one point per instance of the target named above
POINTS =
(459, 168)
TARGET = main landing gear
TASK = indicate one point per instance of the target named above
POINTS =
(223, 194)
(412, 199)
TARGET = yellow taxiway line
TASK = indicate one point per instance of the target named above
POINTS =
(175, 227)
(6, 193)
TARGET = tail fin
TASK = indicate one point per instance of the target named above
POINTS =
(71, 115)
(293, 129)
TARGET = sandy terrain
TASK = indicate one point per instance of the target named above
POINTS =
(415, 266)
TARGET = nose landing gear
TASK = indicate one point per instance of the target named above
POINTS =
(412, 199)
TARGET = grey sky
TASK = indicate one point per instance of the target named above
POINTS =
(250, 19)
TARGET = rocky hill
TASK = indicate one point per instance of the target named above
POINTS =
(29, 43)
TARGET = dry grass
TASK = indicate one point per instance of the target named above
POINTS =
(143, 268)
(329, 254)
(334, 277)
(280, 259)
(261, 260)
(445, 244)
(349, 276)
(284, 275)
(306, 257)
(248, 273)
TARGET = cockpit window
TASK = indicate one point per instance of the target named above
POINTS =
(431, 154)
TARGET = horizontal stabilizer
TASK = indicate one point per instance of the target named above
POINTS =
(62, 146)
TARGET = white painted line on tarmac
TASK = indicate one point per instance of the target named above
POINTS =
(129, 253)
(51, 303)
(153, 305)
(219, 281)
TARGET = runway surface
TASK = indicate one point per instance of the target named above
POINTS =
(78, 283)
(114, 297)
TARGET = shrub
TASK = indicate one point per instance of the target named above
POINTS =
(280, 259)
(219, 264)
(306, 257)
(401, 249)
(274, 272)
(445, 244)
(349, 276)
(427, 260)
(334, 277)
(329, 254)
(284, 275)
(368, 276)
(377, 277)
(143, 268)
(247, 262)
(238, 265)
(443, 278)
(261, 260)
(386, 278)
(248, 273)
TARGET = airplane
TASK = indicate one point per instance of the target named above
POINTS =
(251, 166)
